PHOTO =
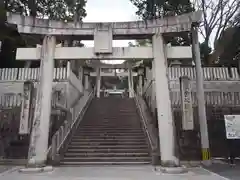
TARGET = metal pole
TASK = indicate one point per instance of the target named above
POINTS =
(201, 99)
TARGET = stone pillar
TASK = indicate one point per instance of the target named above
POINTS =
(186, 101)
(86, 79)
(148, 75)
(140, 81)
(130, 81)
(165, 118)
(132, 85)
(201, 98)
(153, 97)
(68, 86)
(80, 74)
(98, 83)
(26, 108)
(40, 131)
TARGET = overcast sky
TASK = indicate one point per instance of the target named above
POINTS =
(110, 11)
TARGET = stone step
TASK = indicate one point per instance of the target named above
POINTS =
(104, 123)
(92, 163)
(145, 146)
(116, 117)
(110, 130)
(91, 136)
(113, 115)
(115, 127)
(106, 154)
(107, 133)
(110, 133)
(106, 150)
(106, 159)
(112, 123)
(107, 143)
(107, 139)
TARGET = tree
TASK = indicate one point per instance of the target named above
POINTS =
(141, 43)
(52, 9)
(217, 17)
(205, 50)
(66, 10)
(152, 9)
(228, 47)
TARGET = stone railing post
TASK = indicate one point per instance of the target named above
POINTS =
(98, 82)
(140, 80)
(86, 79)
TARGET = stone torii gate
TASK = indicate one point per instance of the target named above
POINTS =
(103, 34)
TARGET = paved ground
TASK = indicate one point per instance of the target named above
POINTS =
(111, 173)
(226, 170)
(5, 168)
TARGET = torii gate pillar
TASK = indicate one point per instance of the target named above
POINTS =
(201, 99)
(165, 118)
(38, 148)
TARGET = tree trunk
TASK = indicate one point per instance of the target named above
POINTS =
(33, 7)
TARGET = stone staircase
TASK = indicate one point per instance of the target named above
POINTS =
(110, 133)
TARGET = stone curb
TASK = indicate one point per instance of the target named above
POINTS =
(36, 170)
(172, 170)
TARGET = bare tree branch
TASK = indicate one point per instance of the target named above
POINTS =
(226, 24)
(217, 16)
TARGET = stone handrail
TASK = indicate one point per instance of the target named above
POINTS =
(149, 85)
(77, 113)
(147, 94)
(148, 126)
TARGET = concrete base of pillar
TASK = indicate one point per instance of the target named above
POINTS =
(207, 162)
(156, 160)
(172, 170)
(36, 169)
(55, 161)
(190, 163)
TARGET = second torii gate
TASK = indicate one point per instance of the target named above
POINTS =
(103, 34)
